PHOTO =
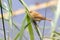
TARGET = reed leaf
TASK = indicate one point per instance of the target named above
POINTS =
(57, 33)
(20, 34)
(30, 28)
(10, 12)
(54, 22)
(28, 20)
(5, 6)
(15, 25)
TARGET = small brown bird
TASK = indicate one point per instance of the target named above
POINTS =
(37, 16)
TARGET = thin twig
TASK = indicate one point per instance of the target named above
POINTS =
(36, 28)
(44, 22)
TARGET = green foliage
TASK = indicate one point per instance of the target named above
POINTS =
(30, 28)
(27, 20)
(20, 34)
(10, 12)
(57, 33)
(23, 26)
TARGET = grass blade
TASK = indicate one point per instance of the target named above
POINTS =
(30, 28)
(21, 31)
(10, 12)
(28, 20)
(15, 25)
(54, 22)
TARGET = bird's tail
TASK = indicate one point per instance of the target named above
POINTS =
(48, 19)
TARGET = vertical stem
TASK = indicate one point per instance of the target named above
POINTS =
(10, 12)
(56, 16)
(44, 22)
(37, 30)
(10, 19)
(3, 21)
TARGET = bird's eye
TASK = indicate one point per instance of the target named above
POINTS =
(30, 11)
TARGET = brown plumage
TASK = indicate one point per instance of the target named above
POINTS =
(37, 16)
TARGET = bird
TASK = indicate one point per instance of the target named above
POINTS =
(38, 16)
